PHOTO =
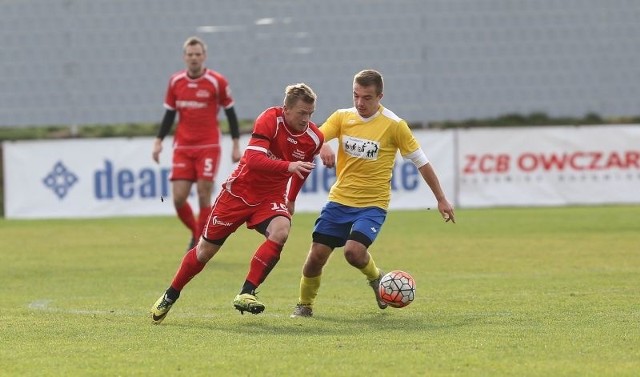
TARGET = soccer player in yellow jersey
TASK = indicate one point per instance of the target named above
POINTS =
(369, 137)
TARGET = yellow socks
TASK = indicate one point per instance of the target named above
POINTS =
(309, 289)
(370, 270)
(309, 286)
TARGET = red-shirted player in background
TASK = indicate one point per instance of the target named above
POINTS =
(196, 93)
(282, 148)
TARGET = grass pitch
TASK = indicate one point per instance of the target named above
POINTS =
(513, 292)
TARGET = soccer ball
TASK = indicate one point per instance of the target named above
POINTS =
(397, 288)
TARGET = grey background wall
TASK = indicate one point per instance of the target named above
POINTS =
(108, 61)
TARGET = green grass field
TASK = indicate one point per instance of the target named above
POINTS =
(505, 292)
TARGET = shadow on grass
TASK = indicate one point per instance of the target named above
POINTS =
(338, 324)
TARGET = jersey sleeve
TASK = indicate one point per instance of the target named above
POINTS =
(225, 99)
(297, 182)
(405, 140)
(259, 161)
(265, 125)
(331, 127)
(170, 96)
(263, 131)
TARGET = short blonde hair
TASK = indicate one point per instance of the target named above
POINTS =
(299, 91)
(194, 41)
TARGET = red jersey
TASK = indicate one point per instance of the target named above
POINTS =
(197, 102)
(272, 138)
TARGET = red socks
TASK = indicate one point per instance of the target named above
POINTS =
(185, 214)
(189, 268)
(263, 261)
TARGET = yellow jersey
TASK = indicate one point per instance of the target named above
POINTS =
(366, 155)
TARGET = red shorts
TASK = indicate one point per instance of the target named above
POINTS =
(192, 164)
(229, 212)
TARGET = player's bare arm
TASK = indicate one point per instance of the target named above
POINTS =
(165, 127)
(291, 207)
(328, 156)
(444, 207)
(157, 149)
(234, 129)
(235, 151)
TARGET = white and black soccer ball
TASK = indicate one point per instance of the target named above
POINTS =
(397, 288)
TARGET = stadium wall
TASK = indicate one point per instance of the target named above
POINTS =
(550, 166)
(77, 62)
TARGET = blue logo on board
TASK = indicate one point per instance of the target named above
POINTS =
(60, 180)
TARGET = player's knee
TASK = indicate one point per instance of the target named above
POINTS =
(316, 260)
(313, 265)
(279, 235)
(206, 250)
(318, 256)
(204, 198)
(178, 202)
(355, 257)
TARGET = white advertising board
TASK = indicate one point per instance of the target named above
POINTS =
(539, 166)
(86, 178)
(546, 166)
(117, 177)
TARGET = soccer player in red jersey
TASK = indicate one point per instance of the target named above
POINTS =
(280, 153)
(196, 93)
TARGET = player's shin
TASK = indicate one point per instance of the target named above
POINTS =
(263, 261)
(185, 214)
(189, 268)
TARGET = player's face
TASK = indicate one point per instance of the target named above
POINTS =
(299, 115)
(366, 100)
(194, 57)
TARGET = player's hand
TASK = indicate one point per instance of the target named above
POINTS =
(291, 206)
(327, 156)
(446, 210)
(235, 154)
(157, 148)
(300, 168)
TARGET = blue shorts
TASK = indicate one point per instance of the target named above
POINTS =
(338, 222)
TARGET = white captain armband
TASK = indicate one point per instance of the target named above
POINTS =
(418, 158)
